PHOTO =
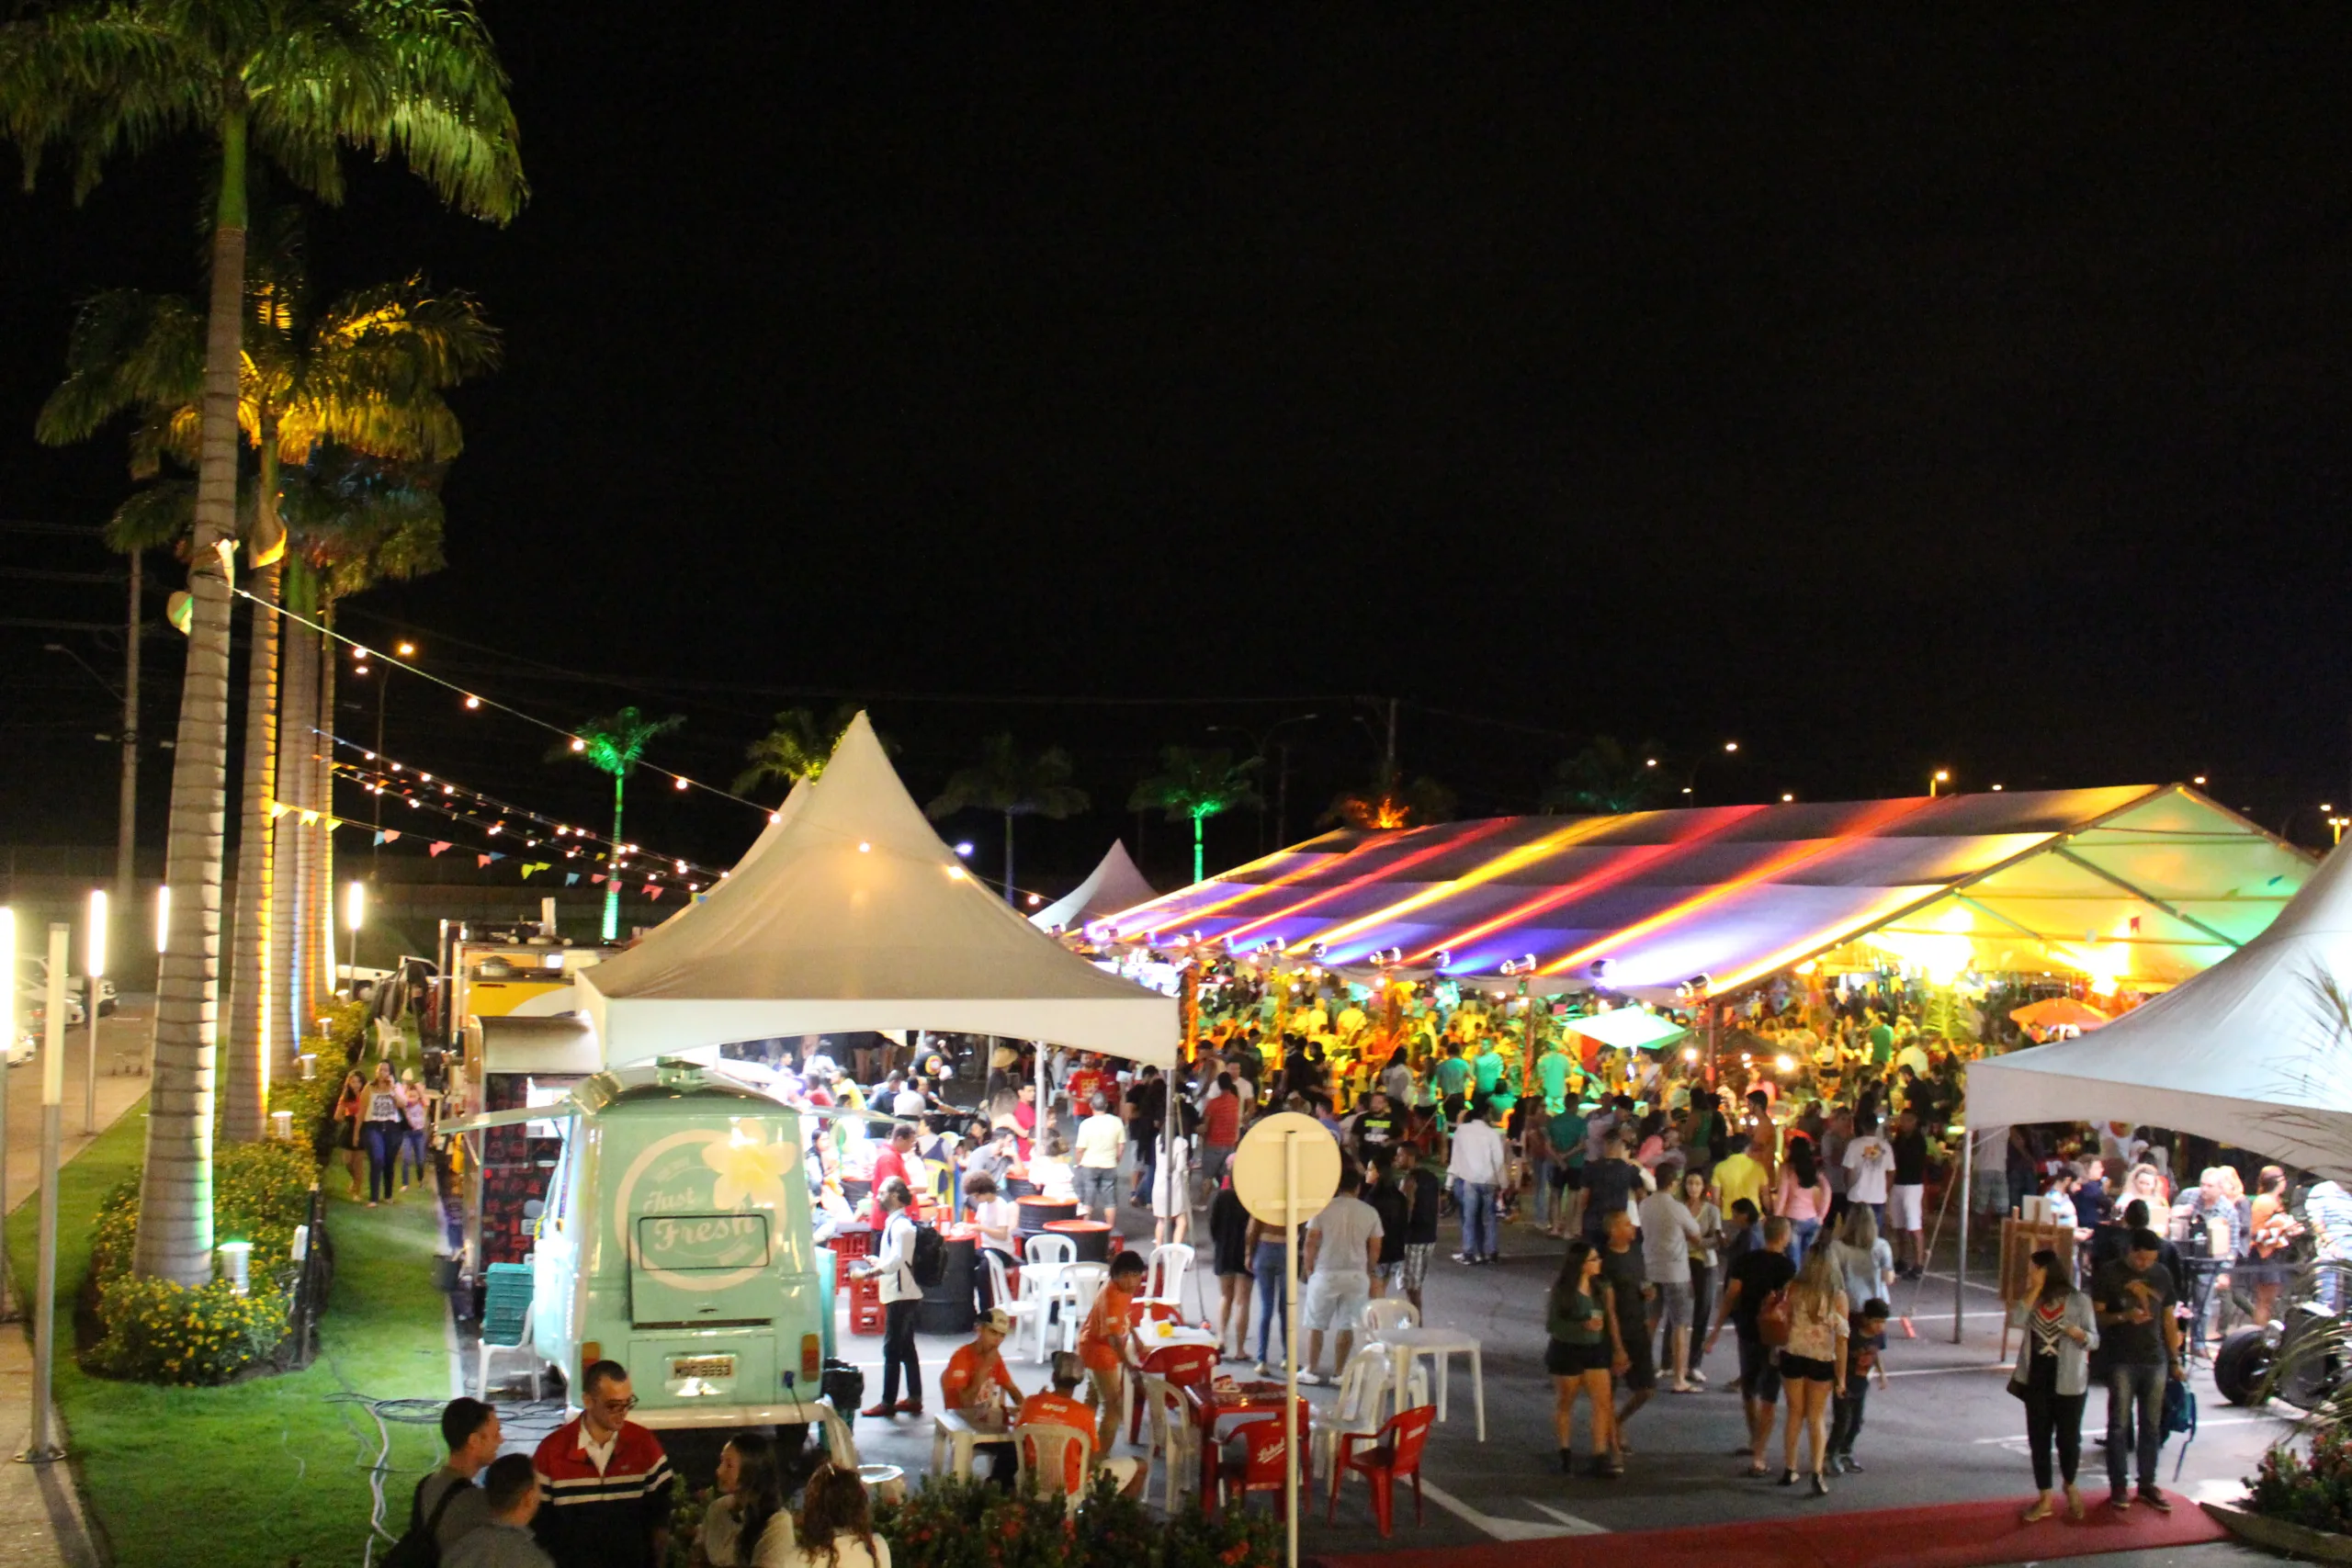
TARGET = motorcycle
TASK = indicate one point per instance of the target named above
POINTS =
(2300, 1357)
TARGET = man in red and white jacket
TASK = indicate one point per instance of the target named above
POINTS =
(604, 1481)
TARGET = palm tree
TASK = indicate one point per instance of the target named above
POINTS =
(1194, 786)
(294, 82)
(1012, 784)
(1610, 780)
(614, 743)
(1387, 805)
(366, 372)
(798, 748)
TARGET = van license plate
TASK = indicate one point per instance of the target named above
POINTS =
(704, 1367)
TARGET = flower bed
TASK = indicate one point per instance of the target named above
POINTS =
(2311, 1490)
(156, 1331)
(971, 1524)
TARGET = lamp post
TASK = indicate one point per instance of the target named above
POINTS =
(1940, 777)
(94, 953)
(1258, 740)
(42, 1446)
(7, 1043)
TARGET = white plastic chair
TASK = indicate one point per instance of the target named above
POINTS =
(1051, 1466)
(1364, 1400)
(1041, 1277)
(1023, 1309)
(526, 1346)
(1080, 1284)
(1173, 1435)
(1165, 1272)
(1389, 1312)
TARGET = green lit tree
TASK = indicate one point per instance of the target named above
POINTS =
(293, 82)
(613, 744)
(799, 747)
(1194, 785)
(1012, 784)
(1609, 780)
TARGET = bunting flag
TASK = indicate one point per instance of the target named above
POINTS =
(571, 879)
(310, 818)
(437, 848)
(535, 865)
(389, 835)
(279, 809)
(652, 892)
(598, 878)
(497, 854)
(482, 859)
(379, 835)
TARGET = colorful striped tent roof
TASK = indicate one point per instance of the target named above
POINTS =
(2136, 883)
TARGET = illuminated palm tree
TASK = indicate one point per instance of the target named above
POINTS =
(1012, 784)
(293, 82)
(1193, 787)
(1387, 805)
(614, 743)
(360, 380)
(799, 747)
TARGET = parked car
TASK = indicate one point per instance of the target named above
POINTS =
(32, 987)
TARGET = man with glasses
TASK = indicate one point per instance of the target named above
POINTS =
(604, 1481)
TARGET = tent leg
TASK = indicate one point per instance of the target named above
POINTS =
(1960, 1269)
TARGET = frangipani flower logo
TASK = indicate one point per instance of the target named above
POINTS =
(751, 1170)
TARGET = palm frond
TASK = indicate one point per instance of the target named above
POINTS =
(153, 516)
(128, 350)
(1012, 784)
(1193, 785)
(613, 743)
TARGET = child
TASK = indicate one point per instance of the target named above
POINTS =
(1107, 1345)
(1864, 1349)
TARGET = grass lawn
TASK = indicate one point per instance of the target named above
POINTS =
(271, 1472)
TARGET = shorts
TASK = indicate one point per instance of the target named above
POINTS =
(1759, 1373)
(1674, 1301)
(1804, 1369)
(1415, 1266)
(1336, 1301)
(1567, 1178)
(1454, 1105)
(1903, 1207)
(1391, 1276)
(1640, 1365)
(1106, 1390)
(1097, 1187)
(1565, 1360)
(1214, 1159)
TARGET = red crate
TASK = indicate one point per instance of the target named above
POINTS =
(852, 1244)
(865, 1306)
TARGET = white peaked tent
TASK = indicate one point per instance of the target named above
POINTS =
(1116, 885)
(848, 913)
(2252, 1053)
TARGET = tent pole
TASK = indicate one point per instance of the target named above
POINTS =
(1960, 1270)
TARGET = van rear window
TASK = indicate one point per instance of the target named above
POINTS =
(685, 1243)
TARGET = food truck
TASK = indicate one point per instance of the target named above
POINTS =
(675, 1239)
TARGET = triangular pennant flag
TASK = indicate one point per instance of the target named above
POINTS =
(279, 809)
(497, 854)
(335, 822)
(652, 892)
(309, 818)
(483, 860)
(535, 865)
(437, 848)
(571, 879)
(379, 835)
(390, 834)
(598, 878)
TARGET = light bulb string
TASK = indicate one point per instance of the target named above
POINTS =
(617, 871)
(475, 698)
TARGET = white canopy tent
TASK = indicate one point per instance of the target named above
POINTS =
(849, 913)
(1116, 885)
(2253, 1052)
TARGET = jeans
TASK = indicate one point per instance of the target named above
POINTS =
(1147, 1159)
(383, 1142)
(1478, 1239)
(2060, 1416)
(412, 1155)
(1703, 1305)
(2128, 1385)
(1801, 1235)
(1266, 1267)
(1539, 1173)
(898, 1351)
(1845, 1415)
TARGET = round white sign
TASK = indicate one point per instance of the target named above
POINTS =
(1261, 1168)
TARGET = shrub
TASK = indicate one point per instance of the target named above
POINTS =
(2314, 1492)
(970, 1524)
(154, 1331)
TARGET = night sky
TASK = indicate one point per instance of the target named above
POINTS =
(1883, 395)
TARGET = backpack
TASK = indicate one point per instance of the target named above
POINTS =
(2179, 1416)
(417, 1547)
(1774, 1319)
(929, 1265)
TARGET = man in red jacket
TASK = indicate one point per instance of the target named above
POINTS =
(604, 1481)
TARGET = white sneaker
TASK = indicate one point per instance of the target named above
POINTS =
(1312, 1380)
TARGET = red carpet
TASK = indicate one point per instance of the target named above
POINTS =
(1950, 1535)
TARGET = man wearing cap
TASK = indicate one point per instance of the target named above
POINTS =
(977, 1387)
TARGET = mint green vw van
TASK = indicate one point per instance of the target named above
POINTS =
(675, 1239)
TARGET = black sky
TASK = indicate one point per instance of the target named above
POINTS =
(1883, 394)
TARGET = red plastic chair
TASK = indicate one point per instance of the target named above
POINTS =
(1185, 1366)
(1380, 1458)
(1265, 1470)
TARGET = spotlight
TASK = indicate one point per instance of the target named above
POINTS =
(964, 847)
(1600, 970)
(683, 781)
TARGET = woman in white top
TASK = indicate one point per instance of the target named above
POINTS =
(1050, 1170)
(1171, 1190)
(836, 1526)
(748, 1525)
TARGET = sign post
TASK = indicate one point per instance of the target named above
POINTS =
(1284, 1173)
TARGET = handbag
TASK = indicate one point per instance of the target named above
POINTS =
(1774, 1318)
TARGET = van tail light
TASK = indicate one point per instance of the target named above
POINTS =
(590, 1352)
(812, 1359)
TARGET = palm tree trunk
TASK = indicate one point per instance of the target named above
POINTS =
(1008, 857)
(175, 1203)
(1196, 849)
(322, 906)
(245, 1071)
(612, 871)
(299, 685)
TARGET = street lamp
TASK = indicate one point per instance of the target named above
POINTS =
(2339, 824)
(94, 957)
(1941, 777)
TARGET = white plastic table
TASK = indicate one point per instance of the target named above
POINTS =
(1440, 1344)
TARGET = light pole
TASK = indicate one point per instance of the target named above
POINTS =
(7, 1043)
(1258, 740)
(94, 953)
(1940, 777)
(42, 1446)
